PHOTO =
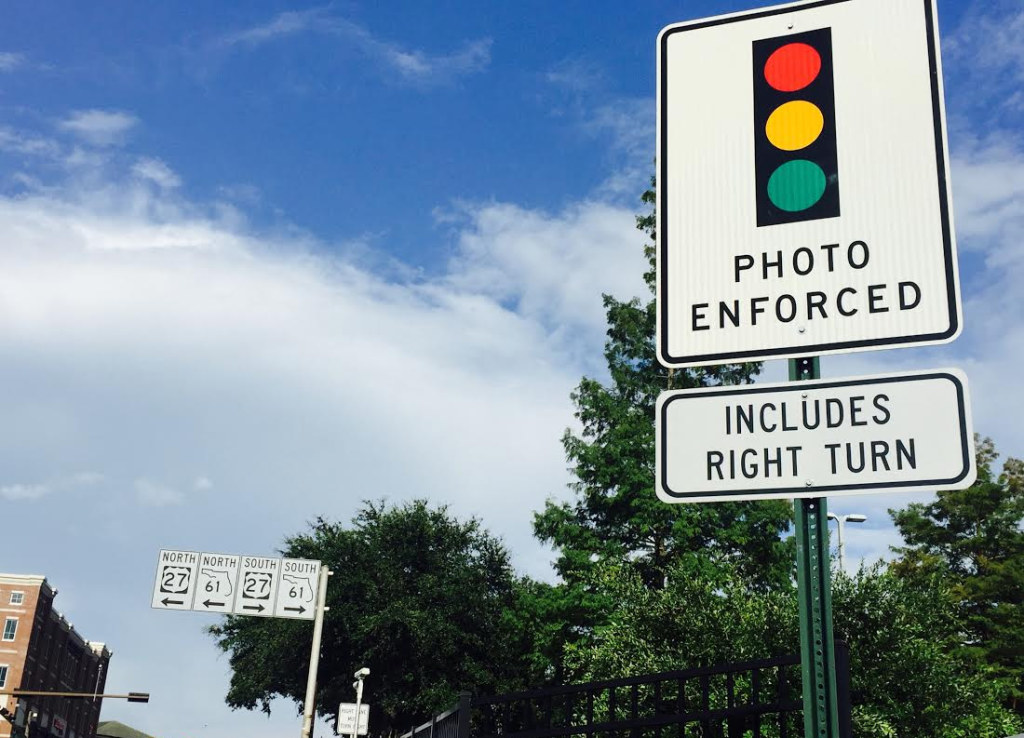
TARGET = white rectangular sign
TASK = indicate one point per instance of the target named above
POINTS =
(297, 591)
(803, 195)
(815, 438)
(217, 582)
(257, 586)
(347, 718)
(175, 583)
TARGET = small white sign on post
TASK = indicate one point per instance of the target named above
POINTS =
(175, 584)
(347, 718)
(297, 591)
(257, 586)
(815, 438)
(217, 582)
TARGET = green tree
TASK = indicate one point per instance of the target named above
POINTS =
(616, 516)
(430, 604)
(974, 538)
(703, 616)
(909, 679)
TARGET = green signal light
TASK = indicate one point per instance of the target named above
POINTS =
(796, 185)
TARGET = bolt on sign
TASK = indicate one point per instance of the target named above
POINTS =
(815, 438)
(803, 190)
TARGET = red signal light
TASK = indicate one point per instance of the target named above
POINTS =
(792, 67)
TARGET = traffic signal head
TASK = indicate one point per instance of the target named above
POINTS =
(795, 159)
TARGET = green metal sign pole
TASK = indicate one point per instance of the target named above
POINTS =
(817, 651)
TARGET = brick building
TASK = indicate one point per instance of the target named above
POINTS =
(41, 650)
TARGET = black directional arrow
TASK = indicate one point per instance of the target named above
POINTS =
(168, 601)
(257, 608)
(300, 609)
(207, 603)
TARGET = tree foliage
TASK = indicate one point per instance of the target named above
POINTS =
(974, 539)
(430, 604)
(908, 679)
(705, 615)
(616, 518)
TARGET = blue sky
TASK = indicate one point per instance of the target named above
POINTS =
(259, 262)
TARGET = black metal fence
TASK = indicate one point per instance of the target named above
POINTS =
(753, 699)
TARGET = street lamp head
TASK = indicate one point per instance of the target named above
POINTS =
(362, 673)
(856, 518)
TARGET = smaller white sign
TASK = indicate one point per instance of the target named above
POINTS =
(297, 591)
(217, 582)
(347, 718)
(257, 586)
(815, 438)
(175, 583)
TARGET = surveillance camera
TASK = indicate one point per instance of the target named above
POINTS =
(362, 673)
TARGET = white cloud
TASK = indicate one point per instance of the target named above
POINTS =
(21, 143)
(35, 491)
(100, 127)
(989, 41)
(622, 127)
(23, 491)
(551, 268)
(415, 67)
(154, 494)
(242, 193)
(156, 171)
(984, 55)
(284, 24)
(149, 339)
(172, 338)
(10, 60)
(576, 75)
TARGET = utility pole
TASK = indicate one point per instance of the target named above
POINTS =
(314, 655)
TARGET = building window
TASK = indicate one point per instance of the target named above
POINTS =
(10, 628)
(71, 662)
(3, 675)
(17, 598)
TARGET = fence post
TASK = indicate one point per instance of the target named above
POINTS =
(465, 705)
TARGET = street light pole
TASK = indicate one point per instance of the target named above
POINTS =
(840, 520)
(358, 684)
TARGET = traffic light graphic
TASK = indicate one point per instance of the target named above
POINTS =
(795, 160)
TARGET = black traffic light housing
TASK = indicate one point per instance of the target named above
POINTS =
(801, 183)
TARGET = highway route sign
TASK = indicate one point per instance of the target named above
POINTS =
(217, 582)
(175, 583)
(241, 585)
(257, 586)
(297, 590)
(347, 718)
(902, 432)
(803, 195)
